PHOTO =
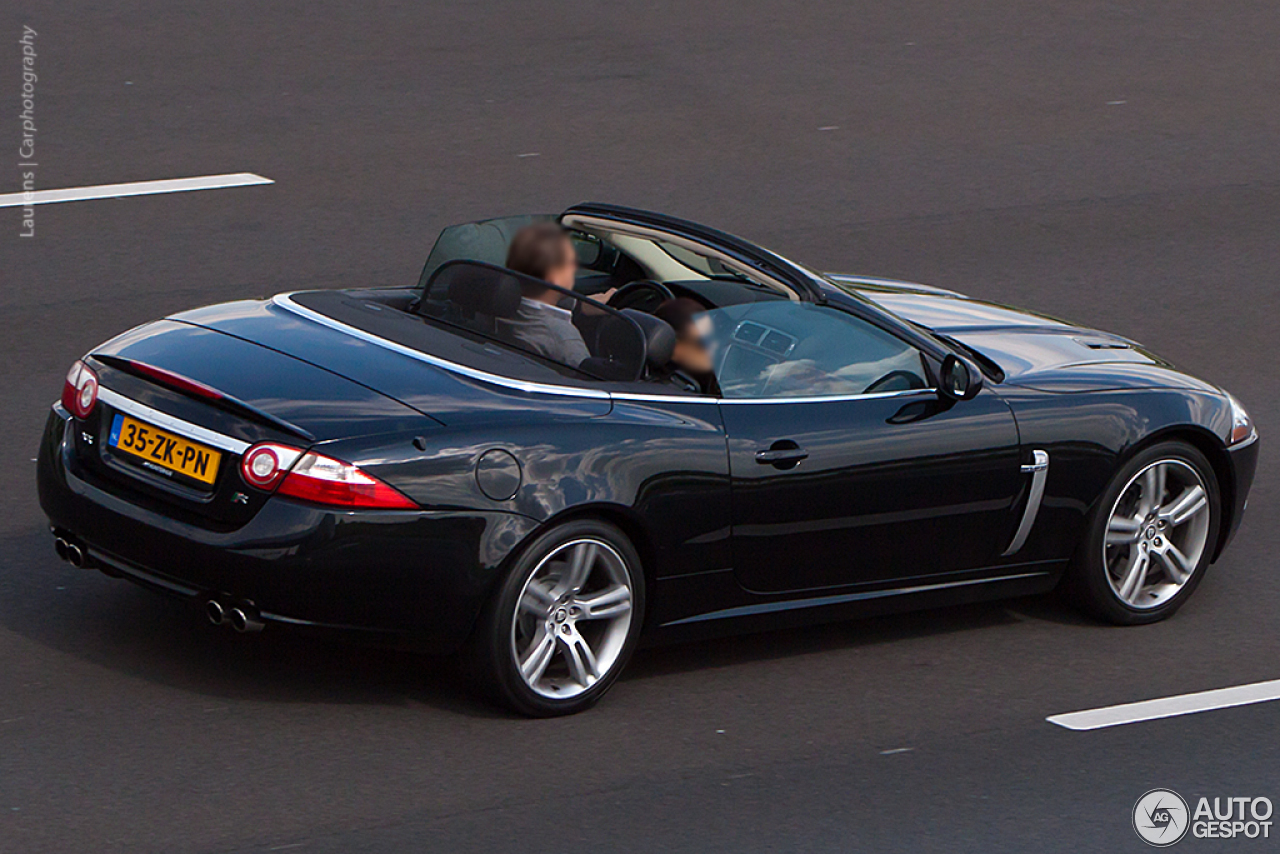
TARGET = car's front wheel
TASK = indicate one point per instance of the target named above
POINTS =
(1151, 537)
(564, 621)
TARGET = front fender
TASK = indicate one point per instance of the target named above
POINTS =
(1087, 435)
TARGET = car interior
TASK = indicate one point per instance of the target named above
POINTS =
(763, 341)
(464, 285)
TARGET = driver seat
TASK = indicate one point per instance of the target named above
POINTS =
(616, 341)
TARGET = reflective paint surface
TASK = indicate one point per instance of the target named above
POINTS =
(858, 503)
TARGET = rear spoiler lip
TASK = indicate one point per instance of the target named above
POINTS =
(223, 401)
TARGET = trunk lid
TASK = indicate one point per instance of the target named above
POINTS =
(365, 337)
(266, 396)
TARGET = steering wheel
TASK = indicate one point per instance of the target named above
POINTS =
(643, 294)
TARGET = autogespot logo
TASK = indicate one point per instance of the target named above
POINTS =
(1160, 817)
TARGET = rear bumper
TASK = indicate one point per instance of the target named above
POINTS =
(1244, 462)
(421, 574)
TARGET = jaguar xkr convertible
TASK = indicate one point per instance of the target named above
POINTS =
(393, 461)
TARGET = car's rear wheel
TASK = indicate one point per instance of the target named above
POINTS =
(564, 621)
(1151, 537)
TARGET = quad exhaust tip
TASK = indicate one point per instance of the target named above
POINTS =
(72, 552)
(216, 613)
(243, 621)
(242, 618)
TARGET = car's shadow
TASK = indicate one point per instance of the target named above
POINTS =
(737, 649)
(120, 626)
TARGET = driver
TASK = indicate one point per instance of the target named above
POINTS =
(543, 250)
(691, 366)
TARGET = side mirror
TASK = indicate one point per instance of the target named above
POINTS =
(959, 379)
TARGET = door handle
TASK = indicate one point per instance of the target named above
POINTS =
(781, 457)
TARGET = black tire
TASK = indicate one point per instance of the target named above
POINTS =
(491, 652)
(1088, 576)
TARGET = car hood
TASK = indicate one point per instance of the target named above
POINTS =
(1032, 349)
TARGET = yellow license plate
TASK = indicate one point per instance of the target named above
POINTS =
(162, 451)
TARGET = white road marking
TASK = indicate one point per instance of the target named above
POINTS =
(1168, 707)
(138, 188)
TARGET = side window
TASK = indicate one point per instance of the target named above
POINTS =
(792, 349)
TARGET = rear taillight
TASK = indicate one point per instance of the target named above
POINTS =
(263, 465)
(316, 478)
(80, 391)
(325, 480)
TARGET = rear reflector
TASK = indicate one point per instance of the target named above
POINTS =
(324, 480)
(264, 464)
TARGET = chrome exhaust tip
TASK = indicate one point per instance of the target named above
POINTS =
(60, 546)
(75, 555)
(242, 621)
(215, 612)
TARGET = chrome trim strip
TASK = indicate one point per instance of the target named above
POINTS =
(827, 398)
(284, 302)
(192, 431)
(794, 604)
(640, 397)
(1039, 470)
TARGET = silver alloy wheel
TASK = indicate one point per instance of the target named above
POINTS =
(572, 618)
(1156, 534)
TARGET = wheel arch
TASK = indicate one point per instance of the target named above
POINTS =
(621, 517)
(1204, 441)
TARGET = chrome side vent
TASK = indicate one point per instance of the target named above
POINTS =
(1038, 468)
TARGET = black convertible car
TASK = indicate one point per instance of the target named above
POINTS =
(393, 461)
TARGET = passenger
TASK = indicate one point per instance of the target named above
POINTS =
(544, 251)
(691, 367)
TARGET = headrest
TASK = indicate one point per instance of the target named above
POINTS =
(659, 337)
(482, 289)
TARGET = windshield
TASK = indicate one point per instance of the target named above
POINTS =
(702, 265)
(794, 349)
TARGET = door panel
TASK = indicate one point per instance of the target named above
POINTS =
(829, 493)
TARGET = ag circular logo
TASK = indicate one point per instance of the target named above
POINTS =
(1160, 817)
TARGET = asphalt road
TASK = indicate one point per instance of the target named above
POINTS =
(1110, 162)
